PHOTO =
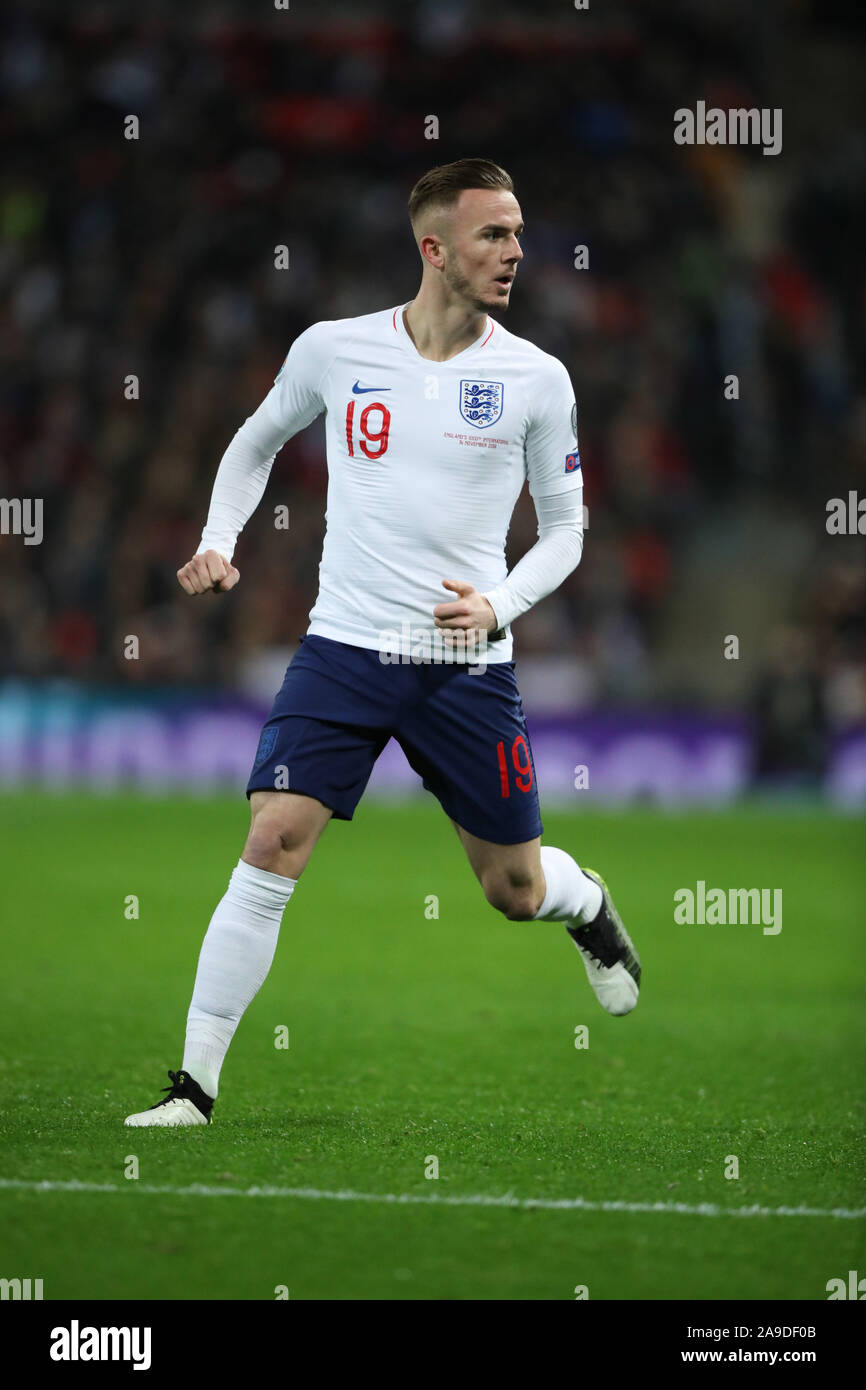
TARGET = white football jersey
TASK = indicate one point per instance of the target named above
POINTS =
(426, 461)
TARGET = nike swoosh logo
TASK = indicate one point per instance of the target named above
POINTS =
(359, 390)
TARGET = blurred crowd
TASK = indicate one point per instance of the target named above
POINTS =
(142, 318)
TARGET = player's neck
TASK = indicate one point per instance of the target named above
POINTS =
(441, 331)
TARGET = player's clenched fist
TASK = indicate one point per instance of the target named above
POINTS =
(207, 572)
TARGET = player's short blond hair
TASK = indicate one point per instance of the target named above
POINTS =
(443, 185)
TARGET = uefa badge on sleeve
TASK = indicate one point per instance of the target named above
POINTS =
(572, 463)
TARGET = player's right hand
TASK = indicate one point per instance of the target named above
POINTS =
(209, 572)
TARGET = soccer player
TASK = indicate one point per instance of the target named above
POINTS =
(435, 415)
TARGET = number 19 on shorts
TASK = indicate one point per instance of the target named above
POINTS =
(521, 764)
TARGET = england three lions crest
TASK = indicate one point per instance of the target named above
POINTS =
(481, 402)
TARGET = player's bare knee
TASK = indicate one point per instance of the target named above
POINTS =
(524, 905)
(278, 841)
(517, 897)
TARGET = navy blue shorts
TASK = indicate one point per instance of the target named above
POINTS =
(462, 731)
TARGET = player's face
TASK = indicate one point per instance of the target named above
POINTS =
(483, 247)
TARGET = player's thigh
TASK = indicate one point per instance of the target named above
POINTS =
(511, 875)
(465, 735)
(286, 825)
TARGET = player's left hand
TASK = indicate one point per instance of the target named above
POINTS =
(471, 613)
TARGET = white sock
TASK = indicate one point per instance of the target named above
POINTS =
(236, 955)
(571, 896)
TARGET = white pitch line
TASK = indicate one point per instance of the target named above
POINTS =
(313, 1194)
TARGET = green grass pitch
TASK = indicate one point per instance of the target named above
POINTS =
(414, 1036)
